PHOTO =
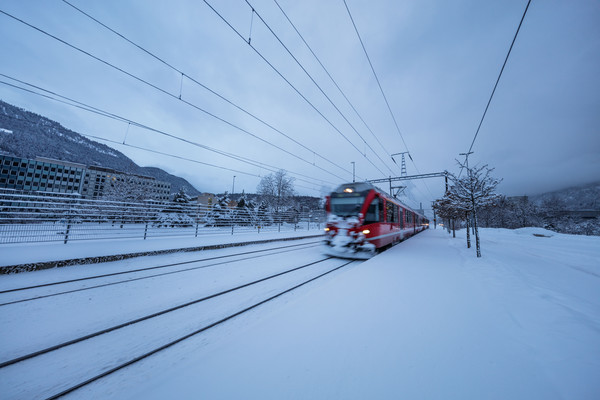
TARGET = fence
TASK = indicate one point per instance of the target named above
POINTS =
(52, 217)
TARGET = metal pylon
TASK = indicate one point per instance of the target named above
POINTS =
(400, 190)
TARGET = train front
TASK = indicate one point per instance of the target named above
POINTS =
(345, 235)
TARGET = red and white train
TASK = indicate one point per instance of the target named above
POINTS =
(362, 219)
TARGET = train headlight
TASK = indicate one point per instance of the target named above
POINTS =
(366, 232)
(326, 229)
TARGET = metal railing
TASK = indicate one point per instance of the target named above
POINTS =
(52, 217)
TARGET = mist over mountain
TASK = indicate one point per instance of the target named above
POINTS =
(585, 197)
(29, 135)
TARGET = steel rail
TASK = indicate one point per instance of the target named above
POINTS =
(189, 335)
(153, 315)
(151, 268)
(146, 277)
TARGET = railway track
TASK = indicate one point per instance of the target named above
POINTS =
(251, 255)
(175, 324)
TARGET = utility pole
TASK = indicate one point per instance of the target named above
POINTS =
(466, 157)
(353, 171)
(233, 186)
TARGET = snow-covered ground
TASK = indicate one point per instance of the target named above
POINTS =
(424, 320)
(25, 253)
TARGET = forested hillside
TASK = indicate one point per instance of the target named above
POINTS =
(575, 198)
(26, 134)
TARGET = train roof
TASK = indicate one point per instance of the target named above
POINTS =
(358, 187)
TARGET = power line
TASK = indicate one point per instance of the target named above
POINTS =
(166, 92)
(188, 159)
(86, 107)
(289, 83)
(375, 74)
(331, 77)
(497, 81)
(315, 83)
(184, 158)
(382, 92)
(261, 165)
(183, 74)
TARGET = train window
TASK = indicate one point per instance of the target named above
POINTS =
(374, 211)
(389, 206)
(346, 206)
(396, 214)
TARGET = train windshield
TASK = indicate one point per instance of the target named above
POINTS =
(346, 206)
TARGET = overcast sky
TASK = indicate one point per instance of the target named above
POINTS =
(436, 60)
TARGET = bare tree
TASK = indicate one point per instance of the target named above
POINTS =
(474, 190)
(276, 188)
(447, 211)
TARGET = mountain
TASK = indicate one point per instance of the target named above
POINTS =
(586, 197)
(26, 134)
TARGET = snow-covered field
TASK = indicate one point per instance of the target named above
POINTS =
(424, 320)
(57, 232)
(25, 253)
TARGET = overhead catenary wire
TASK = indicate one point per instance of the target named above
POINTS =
(331, 78)
(290, 84)
(375, 75)
(496, 84)
(383, 93)
(204, 86)
(74, 103)
(260, 165)
(316, 84)
(165, 92)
